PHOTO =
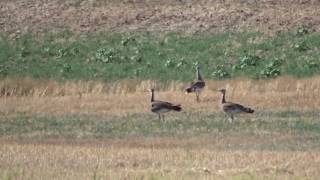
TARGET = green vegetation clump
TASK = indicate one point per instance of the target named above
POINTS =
(64, 56)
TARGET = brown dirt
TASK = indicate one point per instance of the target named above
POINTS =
(80, 16)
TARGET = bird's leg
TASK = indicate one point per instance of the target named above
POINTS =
(162, 121)
(159, 116)
(231, 118)
(197, 95)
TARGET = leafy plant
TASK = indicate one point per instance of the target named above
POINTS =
(125, 41)
(66, 51)
(220, 72)
(74, 51)
(158, 56)
(301, 46)
(3, 70)
(24, 52)
(65, 68)
(246, 61)
(105, 55)
(62, 52)
(311, 64)
(169, 63)
(136, 59)
(47, 51)
(181, 63)
(270, 72)
(302, 30)
(137, 71)
(195, 64)
(272, 69)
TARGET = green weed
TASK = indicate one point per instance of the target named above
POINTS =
(65, 56)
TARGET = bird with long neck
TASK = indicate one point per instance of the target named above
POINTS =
(161, 107)
(198, 75)
(152, 95)
(196, 86)
(231, 108)
(223, 96)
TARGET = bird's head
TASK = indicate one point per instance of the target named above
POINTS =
(222, 91)
(151, 90)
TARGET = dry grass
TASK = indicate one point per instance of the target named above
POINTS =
(245, 150)
(27, 96)
(108, 161)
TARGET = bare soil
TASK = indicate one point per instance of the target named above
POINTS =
(87, 16)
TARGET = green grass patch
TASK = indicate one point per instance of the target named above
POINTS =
(106, 57)
(302, 128)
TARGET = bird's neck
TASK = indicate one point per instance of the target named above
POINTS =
(198, 75)
(223, 98)
(152, 96)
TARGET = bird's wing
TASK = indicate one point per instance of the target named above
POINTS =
(162, 104)
(197, 84)
(233, 107)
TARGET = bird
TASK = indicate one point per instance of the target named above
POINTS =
(196, 86)
(161, 107)
(232, 108)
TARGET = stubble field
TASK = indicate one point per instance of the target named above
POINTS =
(90, 134)
(74, 77)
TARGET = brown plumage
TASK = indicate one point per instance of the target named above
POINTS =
(197, 85)
(232, 108)
(161, 107)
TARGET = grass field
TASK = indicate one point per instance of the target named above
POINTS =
(172, 56)
(108, 161)
(74, 76)
(85, 130)
(282, 145)
(96, 130)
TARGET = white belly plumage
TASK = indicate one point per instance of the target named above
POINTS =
(235, 111)
(198, 90)
(230, 111)
(163, 110)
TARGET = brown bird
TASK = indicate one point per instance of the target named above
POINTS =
(232, 108)
(197, 85)
(161, 107)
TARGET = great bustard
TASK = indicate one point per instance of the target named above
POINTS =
(161, 107)
(232, 108)
(197, 85)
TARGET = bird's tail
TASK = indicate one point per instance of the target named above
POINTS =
(248, 110)
(188, 90)
(177, 107)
